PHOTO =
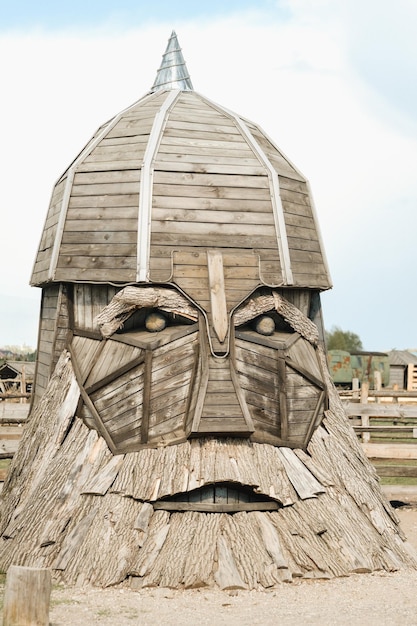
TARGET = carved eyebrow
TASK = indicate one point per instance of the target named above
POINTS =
(262, 303)
(130, 299)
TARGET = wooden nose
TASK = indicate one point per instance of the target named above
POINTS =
(218, 302)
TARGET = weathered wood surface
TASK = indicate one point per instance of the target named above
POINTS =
(331, 519)
(13, 412)
(203, 155)
(26, 596)
(407, 471)
(132, 298)
(390, 450)
(393, 411)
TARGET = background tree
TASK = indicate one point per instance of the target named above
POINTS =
(338, 339)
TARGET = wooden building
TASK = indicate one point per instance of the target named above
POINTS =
(190, 432)
(16, 377)
(403, 370)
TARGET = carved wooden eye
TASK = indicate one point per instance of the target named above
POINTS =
(155, 322)
(264, 325)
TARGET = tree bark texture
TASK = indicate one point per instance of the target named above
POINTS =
(129, 299)
(68, 504)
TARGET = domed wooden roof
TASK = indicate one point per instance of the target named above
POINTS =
(173, 176)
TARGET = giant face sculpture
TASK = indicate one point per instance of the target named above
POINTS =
(181, 265)
(202, 230)
(173, 366)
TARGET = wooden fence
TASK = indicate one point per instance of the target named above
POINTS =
(386, 422)
(12, 420)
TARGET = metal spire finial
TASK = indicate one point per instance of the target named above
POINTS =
(173, 73)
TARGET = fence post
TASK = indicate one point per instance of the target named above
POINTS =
(365, 418)
(355, 387)
(23, 384)
(26, 596)
(377, 383)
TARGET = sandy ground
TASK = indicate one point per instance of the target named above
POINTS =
(380, 599)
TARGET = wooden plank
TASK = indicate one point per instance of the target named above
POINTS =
(125, 392)
(92, 409)
(167, 385)
(111, 188)
(89, 178)
(112, 260)
(294, 209)
(8, 447)
(221, 426)
(97, 275)
(293, 185)
(116, 154)
(203, 191)
(169, 430)
(112, 225)
(214, 150)
(105, 203)
(210, 168)
(259, 386)
(268, 408)
(203, 374)
(397, 471)
(101, 482)
(305, 373)
(221, 230)
(109, 166)
(98, 237)
(184, 364)
(212, 180)
(212, 143)
(163, 355)
(102, 213)
(199, 158)
(12, 419)
(112, 359)
(393, 411)
(390, 450)
(282, 397)
(212, 239)
(211, 215)
(305, 484)
(384, 429)
(223, 126)
(215, 507)
(10, 432)
(258, 366)
(304, 354)
(217, 293)
(106, 380)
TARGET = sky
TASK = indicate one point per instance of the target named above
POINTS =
(334, 83)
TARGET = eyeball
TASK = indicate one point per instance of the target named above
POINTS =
(155, 322)
(265, 325)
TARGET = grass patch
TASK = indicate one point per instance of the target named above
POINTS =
(398, 480)
(5, 464)
(411, 462)
(131, 613)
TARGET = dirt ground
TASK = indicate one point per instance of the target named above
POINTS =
(380, 599)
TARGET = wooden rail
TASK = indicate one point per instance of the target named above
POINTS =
(388, 431)
(14, 396)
